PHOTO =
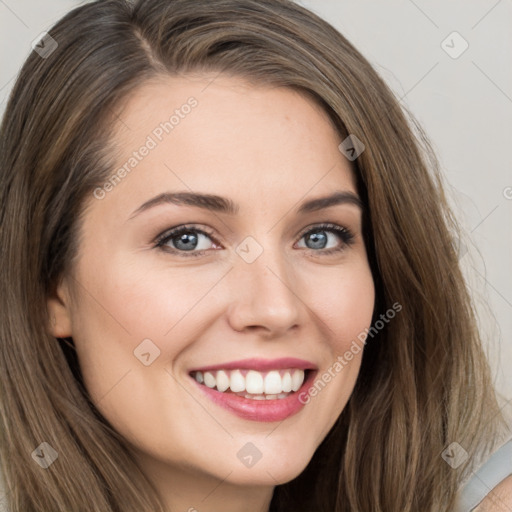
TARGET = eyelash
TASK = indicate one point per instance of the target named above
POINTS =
(343, 233)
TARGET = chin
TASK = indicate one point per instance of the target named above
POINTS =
(277, 470)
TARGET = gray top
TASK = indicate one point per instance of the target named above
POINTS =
(489, 475)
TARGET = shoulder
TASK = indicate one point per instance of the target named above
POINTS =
(499, 498)
(490, 487)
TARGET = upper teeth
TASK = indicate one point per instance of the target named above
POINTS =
(251, 381)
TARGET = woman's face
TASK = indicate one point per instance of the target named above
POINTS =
(256, 293)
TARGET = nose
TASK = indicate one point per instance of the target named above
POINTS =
(265, 299)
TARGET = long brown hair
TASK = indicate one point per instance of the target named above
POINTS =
(424, 381)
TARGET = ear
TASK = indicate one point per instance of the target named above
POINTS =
(59, 311)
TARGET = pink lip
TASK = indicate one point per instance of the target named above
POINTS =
(260, 365)
(260, 410)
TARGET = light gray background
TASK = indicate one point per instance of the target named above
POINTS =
(464, 104)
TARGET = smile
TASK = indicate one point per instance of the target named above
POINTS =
(257, 389)
(252, 384)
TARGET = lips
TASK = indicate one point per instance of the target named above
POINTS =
(257, 389)
(261, 364)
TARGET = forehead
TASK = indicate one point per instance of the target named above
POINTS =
(225, 136)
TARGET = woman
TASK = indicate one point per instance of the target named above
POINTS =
(229, 276)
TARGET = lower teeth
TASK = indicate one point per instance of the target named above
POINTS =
(260, 396)
(263, 396)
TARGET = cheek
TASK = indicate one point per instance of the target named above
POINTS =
(344, 307)
(121, 310)
(127, 303)
(123, 305)
(344, 302)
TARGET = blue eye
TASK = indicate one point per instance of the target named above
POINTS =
(318, 238)
(184, 239)
(191, 241)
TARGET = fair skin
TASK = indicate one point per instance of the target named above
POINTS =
(269, 150)
(499, 499)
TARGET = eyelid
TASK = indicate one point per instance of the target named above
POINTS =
(322, 225)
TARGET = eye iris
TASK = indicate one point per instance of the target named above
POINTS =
(319, 239)
(188, 244)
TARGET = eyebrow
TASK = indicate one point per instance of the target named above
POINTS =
(220, 204)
